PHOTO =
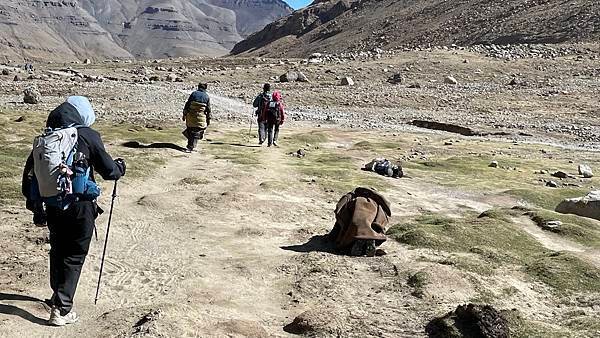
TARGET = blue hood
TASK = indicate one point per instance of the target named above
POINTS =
(84, 108)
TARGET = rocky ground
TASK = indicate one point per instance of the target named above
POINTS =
(227, 242)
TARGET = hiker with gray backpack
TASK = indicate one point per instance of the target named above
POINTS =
(58, 183)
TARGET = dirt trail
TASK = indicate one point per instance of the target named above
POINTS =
(208, 254)
(556, 243)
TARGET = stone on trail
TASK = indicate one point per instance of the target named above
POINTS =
(5, 72)
(493, 164)
(552, 184)
(316, 322)
(585, 171)
(587, 206)
(347, 81)
(395, 79)
(290, 76)
(560, 174)
(87, 62)
(553, 226)
(470, 321)
(450, 80)
(31, 95)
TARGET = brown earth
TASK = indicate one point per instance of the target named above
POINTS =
(335, 26)
(227, 242)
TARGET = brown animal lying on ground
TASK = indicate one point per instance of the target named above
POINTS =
(361, 219)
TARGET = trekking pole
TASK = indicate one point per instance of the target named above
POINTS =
(251, 122)
(112, 204)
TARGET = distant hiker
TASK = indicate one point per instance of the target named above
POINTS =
(197, 115)
(361, 219)
(261, 103)
(58, 179)
(275, 118)
(384, 167)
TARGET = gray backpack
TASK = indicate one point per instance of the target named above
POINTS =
(53, 154)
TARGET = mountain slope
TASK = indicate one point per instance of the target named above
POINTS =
(67, 30)
(350, 25)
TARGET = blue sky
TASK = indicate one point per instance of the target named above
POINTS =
(298, 3)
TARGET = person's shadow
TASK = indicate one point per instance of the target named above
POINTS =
(157, 145)
(16, 311)
(219, 143)
(317, 243)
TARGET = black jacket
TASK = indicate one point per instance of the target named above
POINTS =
(89, 143)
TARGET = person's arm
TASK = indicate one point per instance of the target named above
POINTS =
(26, 179)
(256, 102)
(108, 168)
(187, 106)
(282, 111)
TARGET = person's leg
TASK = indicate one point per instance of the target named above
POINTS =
(276, 133)
(190, 139)
(270, 133)
(262, 132)
(56, 256)
(75, 231)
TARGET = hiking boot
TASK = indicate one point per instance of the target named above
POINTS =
(57, 320)
(363, 247)
(187, 151)
(275, 144)
(268, 145)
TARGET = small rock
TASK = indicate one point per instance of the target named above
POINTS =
(450, 80)
(552, 184)
(5, 72)
(552, 225)
(585, 171)
(447, 143)
(347, 81)
(415, 85)
(87, 62)
(560, 174)
(395, 79)
(31, 95)
(17, 78)
(20, 119)
(493, 164)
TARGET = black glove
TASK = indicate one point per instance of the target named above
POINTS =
(120, 163)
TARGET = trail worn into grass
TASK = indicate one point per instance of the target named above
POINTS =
(228, 242)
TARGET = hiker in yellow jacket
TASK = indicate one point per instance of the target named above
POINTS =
(196, 115)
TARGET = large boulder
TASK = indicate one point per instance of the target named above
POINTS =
(587, 206)
(290, 76)
(31, 95)
(470, 321)
(585, 171)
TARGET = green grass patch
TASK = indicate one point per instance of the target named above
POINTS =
(520, 327)
(313, 138)
(580, 229)
(565, 272)
(545, 197)
(194, 180)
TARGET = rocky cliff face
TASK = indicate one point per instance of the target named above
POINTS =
(351, 25)
(66, 30)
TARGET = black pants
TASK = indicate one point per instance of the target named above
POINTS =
(273, 132)
(193, 134)
(70, 235)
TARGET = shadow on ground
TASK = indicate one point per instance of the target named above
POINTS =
(317, 243)
(16, 311)
(158, 145)
(217, 143)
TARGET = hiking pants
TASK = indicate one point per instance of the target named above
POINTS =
(193, 134)
(262, 131)
(273, 131)
(70, 235)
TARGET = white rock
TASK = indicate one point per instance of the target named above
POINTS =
(585, 171)
(450, 80)
(347, 81)
(587, 206)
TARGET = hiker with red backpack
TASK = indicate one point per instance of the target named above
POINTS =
(58, 183)
(275, 117)
(261, 103)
